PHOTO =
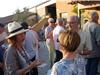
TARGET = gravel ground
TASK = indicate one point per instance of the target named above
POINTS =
(43, 55)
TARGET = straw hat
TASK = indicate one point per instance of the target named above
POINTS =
(15, 28)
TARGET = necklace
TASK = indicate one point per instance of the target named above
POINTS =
(24, 54)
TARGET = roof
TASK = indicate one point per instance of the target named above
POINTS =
(10, 18)
(6, 19)
(84, 2)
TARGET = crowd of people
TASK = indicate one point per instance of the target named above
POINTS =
(72, 50)
(73, 58)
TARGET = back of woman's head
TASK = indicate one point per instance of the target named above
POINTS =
(70, 40)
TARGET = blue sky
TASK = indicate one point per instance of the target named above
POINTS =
(8, 7)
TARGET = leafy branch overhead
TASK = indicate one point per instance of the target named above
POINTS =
(21, 16)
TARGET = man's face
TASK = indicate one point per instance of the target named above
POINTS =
(73, 23)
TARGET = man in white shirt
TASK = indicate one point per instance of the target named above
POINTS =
(85, 47)
(56, 31)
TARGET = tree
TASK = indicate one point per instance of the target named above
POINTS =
(21, 16)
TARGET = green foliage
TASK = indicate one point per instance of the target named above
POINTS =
(21, 16)
(75, 10)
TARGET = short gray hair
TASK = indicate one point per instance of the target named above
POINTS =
(51, 20)
(59, 20)
(74, 17)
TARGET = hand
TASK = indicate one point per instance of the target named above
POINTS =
(36, 62)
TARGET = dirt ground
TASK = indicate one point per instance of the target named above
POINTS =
(43, 55)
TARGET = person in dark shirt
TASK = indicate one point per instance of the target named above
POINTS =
(3, 34)
(1, 60)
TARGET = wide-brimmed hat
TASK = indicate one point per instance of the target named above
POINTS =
(15, 28)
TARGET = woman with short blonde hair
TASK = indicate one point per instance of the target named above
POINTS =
(71, 63)
(69, 40)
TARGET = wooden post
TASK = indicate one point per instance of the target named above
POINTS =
(79, 14)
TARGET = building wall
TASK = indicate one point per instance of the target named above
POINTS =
(88, 9)
(86, 15)
(63, 8)
(41, 11)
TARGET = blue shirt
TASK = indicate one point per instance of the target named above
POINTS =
(1, 53)
(30, 43)
(70, 67)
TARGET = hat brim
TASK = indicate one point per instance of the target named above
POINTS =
(19, 32)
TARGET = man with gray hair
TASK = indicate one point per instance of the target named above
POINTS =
(94, 28)
(85, 46)
(49, 40)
